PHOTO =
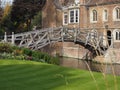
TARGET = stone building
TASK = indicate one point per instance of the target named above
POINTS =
(102, 16)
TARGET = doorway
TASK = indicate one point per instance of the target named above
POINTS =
(109, 37)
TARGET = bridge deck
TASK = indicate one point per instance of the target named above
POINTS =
(37, 39)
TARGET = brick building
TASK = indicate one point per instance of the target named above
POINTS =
(100, 15)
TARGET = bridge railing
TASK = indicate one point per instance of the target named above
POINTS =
(37, 39)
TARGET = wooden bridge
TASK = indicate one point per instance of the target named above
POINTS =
(37, 39)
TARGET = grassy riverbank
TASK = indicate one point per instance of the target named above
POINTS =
(29, 75)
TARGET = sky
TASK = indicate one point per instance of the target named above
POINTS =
(4, 2)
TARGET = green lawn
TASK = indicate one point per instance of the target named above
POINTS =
(28, 75)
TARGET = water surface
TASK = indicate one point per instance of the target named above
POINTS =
(89, 65)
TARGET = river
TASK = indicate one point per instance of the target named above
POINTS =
(89, 65)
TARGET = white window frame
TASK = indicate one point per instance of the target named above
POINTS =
(116, 34)
(75, 18)
(92, 16)
(115, 15)
(64, 18)
(105, 15)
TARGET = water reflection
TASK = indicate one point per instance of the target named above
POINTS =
(81, 64)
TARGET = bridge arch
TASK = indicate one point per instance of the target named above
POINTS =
(38, 39)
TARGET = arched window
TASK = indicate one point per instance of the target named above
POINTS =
(94, 15)
(116, 13)
(116, 35)
(105, 15)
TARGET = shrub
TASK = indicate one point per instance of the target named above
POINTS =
(18, 52)
(5, 48)
(54, 60)
(19, 57)
(3, 55)
(6, 56)
(27, 51)
(47, 58)
(43, 57)
(15, 47)
(36, 55)
(13, 52)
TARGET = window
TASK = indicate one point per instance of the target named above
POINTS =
(93, 16)
(117, 35)
(105, 15)
(74, 16)
(116, 14)
(65, 18)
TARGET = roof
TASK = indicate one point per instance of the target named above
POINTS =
(101, 2)
(61, 3)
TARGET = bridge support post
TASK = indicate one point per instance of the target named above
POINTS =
(48, 37)
(5, 37)
(87, 39)
(62, 35)
(13, 39)
(112, 42)
(75, 35)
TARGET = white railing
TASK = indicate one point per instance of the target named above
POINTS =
(37, 39)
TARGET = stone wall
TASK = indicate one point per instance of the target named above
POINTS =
(73, 50)
(68, 49)
(51, 17)
(112, 55)
(100, 23)
(105, 26)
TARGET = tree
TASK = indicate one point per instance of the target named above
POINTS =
(7, 10)
(6, 24)
(36, 21)
(1, 15)
(1, 12)
(24, 10)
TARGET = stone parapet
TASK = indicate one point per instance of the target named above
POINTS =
(112, 55)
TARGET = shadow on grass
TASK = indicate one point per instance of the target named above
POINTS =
(25, 75)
